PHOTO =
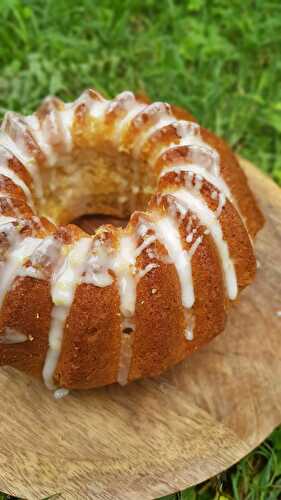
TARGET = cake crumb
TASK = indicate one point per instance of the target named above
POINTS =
(31, 338)
(154, 290)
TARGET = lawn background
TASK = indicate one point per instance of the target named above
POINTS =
(220, 59)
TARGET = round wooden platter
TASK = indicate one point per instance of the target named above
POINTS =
(157, 436)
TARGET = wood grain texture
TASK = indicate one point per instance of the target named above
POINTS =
(157, 436)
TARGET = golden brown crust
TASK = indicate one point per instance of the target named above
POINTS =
(27, 309)
(91, 347)
(237, 182)
(15, 126)
(159, 321)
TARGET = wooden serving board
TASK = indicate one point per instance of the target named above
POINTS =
(157, 436)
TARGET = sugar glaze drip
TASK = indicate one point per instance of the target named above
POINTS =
(19, 254)
(196, 204)
(10, 174)
(124, 267)
(216, 181)
(168, 234)
(63, 287)
(12, 336)
(25, 159)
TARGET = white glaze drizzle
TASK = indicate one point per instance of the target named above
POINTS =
(168, 235)
(98, 265)
(195, 203)
(61, 393)
(9, 226)
(36, 130)
(31, 272)
(124, 269)
(123, 264)
(8, 172)
(5, 219)
(129, 107)
(147, 269)
(25, 159)
(124, 102)
(167, 232)
(66, 117)
(142, 138)
(19, 254)
(63, 287)
(12, 147)
(126, 352)
(214, 177)
(216, 181)
(12, 336)
(123, 123)
(189, 325)
(188, 134)
(53, 131)
(146, 242)
(47, 253)
(221, 203)
(195, 245)
(10, 202)
(127, 276)
(97, 108)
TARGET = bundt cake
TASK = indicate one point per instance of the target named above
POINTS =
(81, 310)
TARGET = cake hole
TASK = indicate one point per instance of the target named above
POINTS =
(128, 330)
(90, 223)
(96, 179)
(92, 332)
(92, 335)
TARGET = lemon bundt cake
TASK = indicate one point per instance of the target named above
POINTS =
(83, 310)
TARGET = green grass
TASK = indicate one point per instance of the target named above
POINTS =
(220, 59)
